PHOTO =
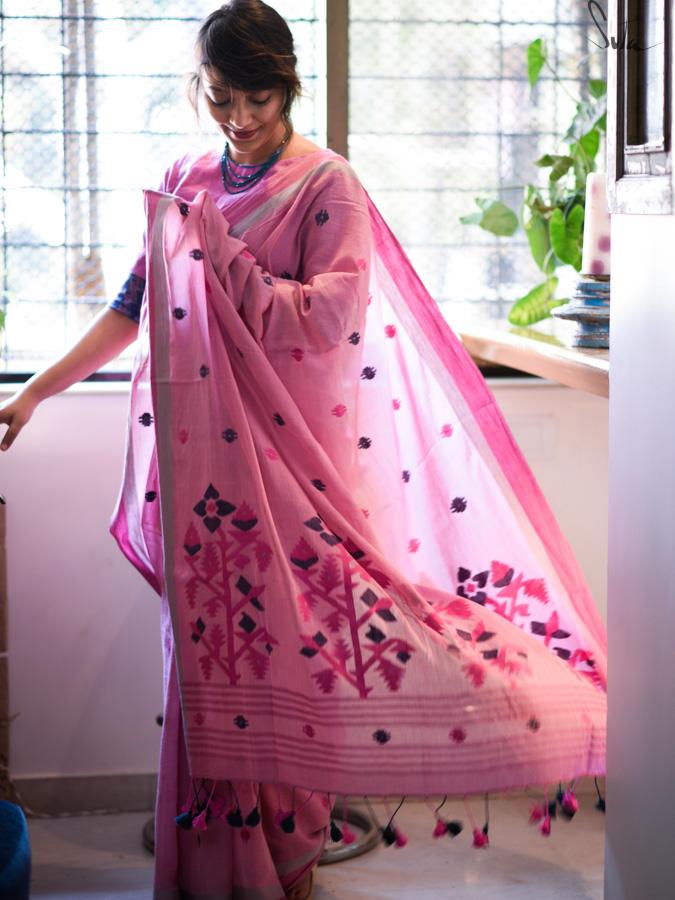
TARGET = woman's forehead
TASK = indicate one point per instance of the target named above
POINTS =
(216, 82)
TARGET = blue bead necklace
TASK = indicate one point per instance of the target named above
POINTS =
(235, 182)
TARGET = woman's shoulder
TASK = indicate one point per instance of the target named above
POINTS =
(323, 169)
(195, 164)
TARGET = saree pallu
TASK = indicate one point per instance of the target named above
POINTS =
(369, 594)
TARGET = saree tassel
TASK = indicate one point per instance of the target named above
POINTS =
(454, 827)
(285, 818)
(443, 826)
(199, 821)
(253, 818)
(480, 838)
(480, 835)
(401, 839)
(234, 818)
(549, 814)
(184, 820)
(390, 833)
(569, 805)
(600, 802)
(348, 836)
(537, 813)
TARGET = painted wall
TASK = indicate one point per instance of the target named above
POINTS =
(640, 862)
(85, 656)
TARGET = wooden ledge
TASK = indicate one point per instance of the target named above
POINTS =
(543, 350)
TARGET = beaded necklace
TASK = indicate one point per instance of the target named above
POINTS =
(235, 182)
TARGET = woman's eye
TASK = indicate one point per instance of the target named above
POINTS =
(255, 101)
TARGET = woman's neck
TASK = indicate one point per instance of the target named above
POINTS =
(260, 154)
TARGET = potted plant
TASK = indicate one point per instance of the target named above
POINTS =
(551, 217)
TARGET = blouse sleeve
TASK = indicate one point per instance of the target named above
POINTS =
(327, 301)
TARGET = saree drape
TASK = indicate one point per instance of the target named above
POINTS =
(369, 594)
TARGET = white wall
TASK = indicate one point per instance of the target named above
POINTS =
(640, 863)
(85, 660)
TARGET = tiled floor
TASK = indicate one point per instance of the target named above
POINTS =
(102, 858)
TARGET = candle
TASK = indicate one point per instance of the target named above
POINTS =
(596, 255)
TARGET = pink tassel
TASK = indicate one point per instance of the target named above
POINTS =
(401, 839)
(199, 822)
(569, 804)
(440, 829)
(545, 826)
(245, 835)
(348, 836)
(537, 813)
(480, 839)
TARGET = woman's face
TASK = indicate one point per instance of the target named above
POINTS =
(250, 120)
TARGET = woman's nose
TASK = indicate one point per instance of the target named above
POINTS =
(240, 115)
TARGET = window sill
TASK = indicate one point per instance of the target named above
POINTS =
(541, 350)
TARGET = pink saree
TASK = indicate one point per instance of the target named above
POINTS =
(368, 593)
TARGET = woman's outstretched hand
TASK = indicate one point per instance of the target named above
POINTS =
(15, 413)
(109, 334)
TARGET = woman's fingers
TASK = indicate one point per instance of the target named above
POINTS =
(10, 435)
(15, 418)
(12, 420)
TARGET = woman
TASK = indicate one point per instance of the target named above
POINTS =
(363, 589)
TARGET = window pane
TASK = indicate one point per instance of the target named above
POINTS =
(441, 112)
(78, 153)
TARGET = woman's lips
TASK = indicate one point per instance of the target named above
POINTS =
(243, 135)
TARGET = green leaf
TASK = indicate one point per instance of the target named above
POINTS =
(597, 87)
(588, 114)
(536, 229)
(561, 167)
(545, 160)
(536, 57)
(565, 233)
(2, 319)
(536, 304)
(581, 170)
(496, 217)
(601, 123)
(590, 143)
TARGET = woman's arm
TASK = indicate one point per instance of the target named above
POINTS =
(108, 335)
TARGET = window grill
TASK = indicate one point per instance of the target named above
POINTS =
(441, 112)
(93, 109)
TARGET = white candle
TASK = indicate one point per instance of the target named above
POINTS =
(596, 255)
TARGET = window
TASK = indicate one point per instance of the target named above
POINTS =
(640, 129)
(441, 112)
(94, 109)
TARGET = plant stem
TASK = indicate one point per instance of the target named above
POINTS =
(560, 82)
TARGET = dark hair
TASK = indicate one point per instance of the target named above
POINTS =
(250, 46)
